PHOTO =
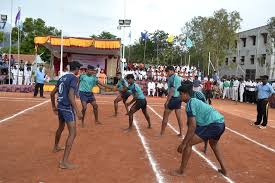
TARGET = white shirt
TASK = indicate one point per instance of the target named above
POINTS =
(166, 86)
(160, 85)
(242, 86)
(15, 72)
(236, 83)
(273, 85)
(20, 73)
(151, 85)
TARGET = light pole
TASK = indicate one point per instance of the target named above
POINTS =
(123, 23)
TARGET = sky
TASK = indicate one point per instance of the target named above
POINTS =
(82, 18)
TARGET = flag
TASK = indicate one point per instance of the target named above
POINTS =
(170, 39)
(189, 43)
(18, 16)
(144, 36)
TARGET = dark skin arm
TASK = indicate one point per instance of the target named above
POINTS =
(191, 121)
(53, 100)
(103, 86)
(132, 101)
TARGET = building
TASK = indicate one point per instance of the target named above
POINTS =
(252, 57)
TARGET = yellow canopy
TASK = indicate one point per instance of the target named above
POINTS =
(78, 42)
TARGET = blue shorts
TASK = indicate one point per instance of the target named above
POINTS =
(174, 103)
(212, 131)
(66, 115)
(140, 104)
(125, 95)
(86, 96)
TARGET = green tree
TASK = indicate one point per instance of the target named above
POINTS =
(2, 36)
(215, 34)
(271, 32)
(104, 35)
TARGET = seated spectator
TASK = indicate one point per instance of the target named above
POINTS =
(151, 88)
(165, 89)
(160, 88)
(216, 90)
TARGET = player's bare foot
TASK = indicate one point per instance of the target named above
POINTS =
(67, 166)
(177, 173)
(179, 135)
(127, 129)
(222, 171)
(57, 149)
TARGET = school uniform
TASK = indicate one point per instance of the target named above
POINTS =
(242, 87)
(235, 90)
(137, 93)
(20, 77)
(226, 85)
(174, 81)
(15, 76)
(86, 84)
(209, 122)
(65, 109)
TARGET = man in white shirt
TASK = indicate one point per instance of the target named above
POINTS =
(20, 76)
(242, 87)
(151, 88)
(14, 72)
(27, 76)
(235, 88)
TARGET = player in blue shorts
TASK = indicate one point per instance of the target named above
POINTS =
(139, 101)
(173, 100)
(124, 94)
(86, 84)
(66, 88)
(204, 123)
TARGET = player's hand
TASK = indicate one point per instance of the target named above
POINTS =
(79, 115)
(55, 110)
(180, 148)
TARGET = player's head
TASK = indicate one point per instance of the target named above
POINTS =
(119, 75)
(186, 91)
(91, 70)
(170, 70)
(130, 78)
(264, 79)
(75, 67)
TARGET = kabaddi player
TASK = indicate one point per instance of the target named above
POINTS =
(204, 123)
(173, 99)
(139, 101)
(66, 88)
(86, 84)
(123, 93)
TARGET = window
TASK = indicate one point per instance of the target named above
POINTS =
(226, 61)
(242, 60)
(234, 60)
(244, 41)
(265, 37)
(252, 59)
(253, 40)
(263, 59)
(236, 43)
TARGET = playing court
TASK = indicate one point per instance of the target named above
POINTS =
(105, 153)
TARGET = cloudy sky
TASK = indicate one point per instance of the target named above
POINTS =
(87, 17)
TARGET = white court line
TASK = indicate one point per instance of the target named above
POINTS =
(152, 161)
(21, 98)
(209, 162)
(25, 110)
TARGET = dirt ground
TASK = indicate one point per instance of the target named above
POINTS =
(105, 153)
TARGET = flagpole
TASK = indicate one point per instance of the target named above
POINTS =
(18, 41)
(10, 46)
(144, 51)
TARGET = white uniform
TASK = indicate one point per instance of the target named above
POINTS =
(27, 79)
(20, 77)
(235, 88)
(15, 76)
(242, 86)
(151, 87)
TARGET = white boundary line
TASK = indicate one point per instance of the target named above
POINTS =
(21, 112)
(209, 162)
(152, 161)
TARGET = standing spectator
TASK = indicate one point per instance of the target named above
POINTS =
(253, 92)
(235, 89)
(265, 90)
(21, 65)
(27, 76)
(165, 89)
(197, 84)
(242, 87)
(215, 76)
(151, 88)
(98, 70)
(248, 88)
(14, 72)
(39, 82)
(20, 76)
(231, 88)
(102, 77)
(208, 90)
(216, 90)
(12, 61)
